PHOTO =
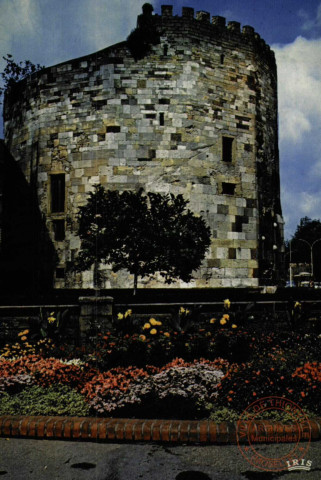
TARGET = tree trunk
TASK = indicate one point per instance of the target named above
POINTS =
(135, 283)
(96, 279)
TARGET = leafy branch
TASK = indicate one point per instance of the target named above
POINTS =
(15, 72)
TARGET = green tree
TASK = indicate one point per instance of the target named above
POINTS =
(14, 72)
(143, 233)
(306, 236)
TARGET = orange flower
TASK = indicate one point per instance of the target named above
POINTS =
(24, 338)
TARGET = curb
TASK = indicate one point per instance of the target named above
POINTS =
(140, 430)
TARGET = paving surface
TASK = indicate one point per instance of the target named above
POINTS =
(78, 460)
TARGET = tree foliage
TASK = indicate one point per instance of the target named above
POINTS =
(310, 231)
(143, 233)
(14, 72)
(145, 35)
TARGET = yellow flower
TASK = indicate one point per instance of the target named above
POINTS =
(222, 321)
(297, 305)
(234, 326)
(227, 303)
(187, 311)
(166, 334)
(213, 320)
(120, 316)
(153, 331)
(146, 326)
(25, 332)
(153, 322)
(226, 316)
(128, 313)
(51, 319)
(142, 337)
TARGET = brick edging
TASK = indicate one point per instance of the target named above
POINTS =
(137, 430)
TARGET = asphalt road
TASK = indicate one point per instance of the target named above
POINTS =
(50, 459)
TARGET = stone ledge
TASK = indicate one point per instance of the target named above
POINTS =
(131, 430)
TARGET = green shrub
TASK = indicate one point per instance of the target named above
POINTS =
(36, 400)
(222, 414)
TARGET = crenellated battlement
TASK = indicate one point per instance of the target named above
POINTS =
(214, 26)
(186, 105)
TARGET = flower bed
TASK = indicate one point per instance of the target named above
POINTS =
(211, 367)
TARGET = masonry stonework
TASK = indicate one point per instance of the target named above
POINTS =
(197, 115)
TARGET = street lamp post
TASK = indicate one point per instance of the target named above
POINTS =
(311, 250)
(290, 264)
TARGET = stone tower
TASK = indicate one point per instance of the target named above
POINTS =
(188, 106)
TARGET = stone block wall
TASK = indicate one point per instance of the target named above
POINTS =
(196, 116)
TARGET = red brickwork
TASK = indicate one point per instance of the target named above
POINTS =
(128, 430)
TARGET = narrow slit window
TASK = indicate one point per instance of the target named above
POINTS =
(228, 188)
(59, 230)
(222, 58)
(58, 193)
(161, 119)
(165, 51)
(227, 149)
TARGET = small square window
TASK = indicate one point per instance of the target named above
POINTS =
(228, 188)
(227, 149)
(113, 129)
(60, 273)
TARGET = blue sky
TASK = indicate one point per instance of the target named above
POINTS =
(52, 31)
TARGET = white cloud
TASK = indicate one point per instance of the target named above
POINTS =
(309, 204)
(19, 19)
(310, 24)
(299, 85)
(106, 23)
(299, 96)
(52, 31)
(296, 205)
